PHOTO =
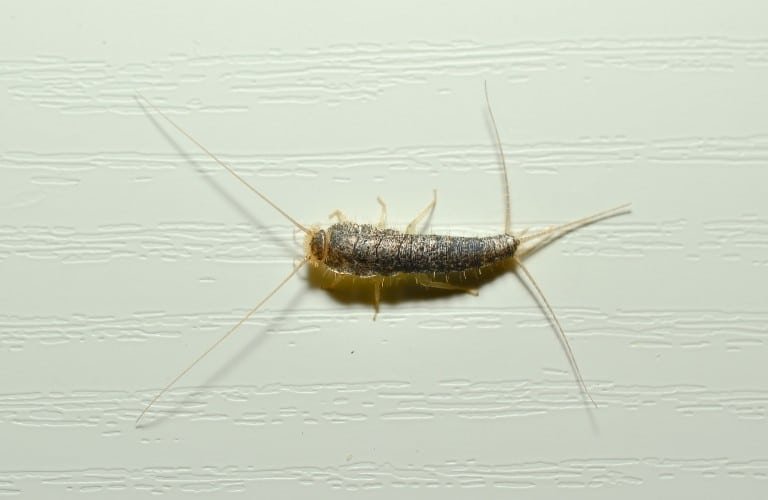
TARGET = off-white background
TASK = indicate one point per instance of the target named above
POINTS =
(124, 251)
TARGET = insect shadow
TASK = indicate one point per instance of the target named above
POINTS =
(402, 289)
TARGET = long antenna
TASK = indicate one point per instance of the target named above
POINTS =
(219, 341)
(220, 162)
(507, 203)
(560, 332)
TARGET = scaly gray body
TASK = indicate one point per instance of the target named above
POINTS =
(366, 250)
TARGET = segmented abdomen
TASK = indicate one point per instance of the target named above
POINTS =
(365, 250)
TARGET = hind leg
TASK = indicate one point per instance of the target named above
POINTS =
(376, 297)
(411, 229)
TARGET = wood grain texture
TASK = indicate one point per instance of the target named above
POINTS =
(124, 251)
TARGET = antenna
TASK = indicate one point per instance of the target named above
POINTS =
(220, 162)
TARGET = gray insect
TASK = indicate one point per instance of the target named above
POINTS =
(374, 253)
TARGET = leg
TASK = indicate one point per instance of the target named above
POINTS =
(383, 217)
(430, 283)
(339, 215)
(336, 279)
(376, 297)
(411, 229)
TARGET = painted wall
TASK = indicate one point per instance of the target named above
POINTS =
(124, 251)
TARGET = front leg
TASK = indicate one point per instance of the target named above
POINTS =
(339, 216)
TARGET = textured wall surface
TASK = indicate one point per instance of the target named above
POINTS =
(124, 251)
